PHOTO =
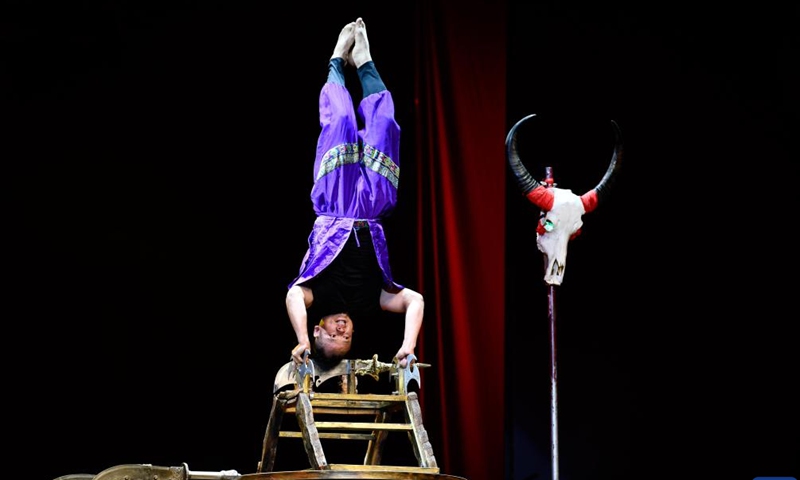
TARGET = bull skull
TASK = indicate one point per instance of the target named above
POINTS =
(562, 210)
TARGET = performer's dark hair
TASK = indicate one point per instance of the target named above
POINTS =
(325, 360)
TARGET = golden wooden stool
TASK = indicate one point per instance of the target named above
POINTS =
(396, 412)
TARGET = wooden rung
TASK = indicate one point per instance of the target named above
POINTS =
(362, 426)
(369, 405)
(382, 468)
(357, 398)
(346, 411)
(333, 407)
(336, 436)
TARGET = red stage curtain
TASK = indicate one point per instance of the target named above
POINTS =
(460, 128)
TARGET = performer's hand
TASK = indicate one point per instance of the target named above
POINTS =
(402, 356)
(299, 351)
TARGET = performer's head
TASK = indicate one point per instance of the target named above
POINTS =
(333, 337)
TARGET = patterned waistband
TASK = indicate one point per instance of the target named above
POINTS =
(359, 224)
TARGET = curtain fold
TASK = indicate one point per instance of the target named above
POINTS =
(460, 126)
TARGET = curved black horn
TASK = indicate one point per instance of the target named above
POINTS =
(604, 186)
(524, 179)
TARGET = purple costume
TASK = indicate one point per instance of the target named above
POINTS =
(356, 174)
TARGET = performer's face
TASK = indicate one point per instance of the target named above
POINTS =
(334, 334)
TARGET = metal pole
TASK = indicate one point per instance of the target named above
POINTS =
(551, 296)
(551, 313)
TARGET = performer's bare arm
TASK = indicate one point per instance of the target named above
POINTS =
(298, 299)
(413, 304)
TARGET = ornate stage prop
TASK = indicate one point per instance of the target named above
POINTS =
(560, 221)
(152, 472)
(294, 395)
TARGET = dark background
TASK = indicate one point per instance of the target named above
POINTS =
(676, 353)
(158, 161)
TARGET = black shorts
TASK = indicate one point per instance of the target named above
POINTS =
(352, 283)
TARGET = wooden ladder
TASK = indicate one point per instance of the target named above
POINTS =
(396, 412)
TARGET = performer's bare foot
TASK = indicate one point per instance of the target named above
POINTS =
(361, 53)
(345, 42)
